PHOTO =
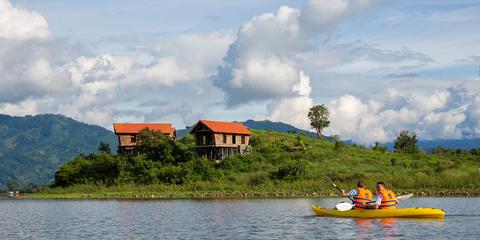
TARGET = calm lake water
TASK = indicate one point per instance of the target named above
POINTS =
(224, 219)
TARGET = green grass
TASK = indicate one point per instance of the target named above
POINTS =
(251, 175)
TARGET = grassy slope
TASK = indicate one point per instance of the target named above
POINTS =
(421, 173)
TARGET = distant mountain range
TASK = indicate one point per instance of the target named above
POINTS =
(33, 147)
(445, 143)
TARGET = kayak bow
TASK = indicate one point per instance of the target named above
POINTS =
(381, 213)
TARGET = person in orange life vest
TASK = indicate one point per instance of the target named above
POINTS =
(386, 199)
(361, 196)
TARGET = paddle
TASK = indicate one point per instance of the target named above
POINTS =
(347, 206)
(405, 197)
(335, 185)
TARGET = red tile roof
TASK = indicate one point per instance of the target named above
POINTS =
(133, 128)
(225, 127)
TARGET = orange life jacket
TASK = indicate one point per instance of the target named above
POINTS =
(389, 200)
(363, 197)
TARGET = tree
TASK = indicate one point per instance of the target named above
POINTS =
(104, 148)
(406, 142)
(339, 144)
(318, 116)
(156, 146)
(13, 186)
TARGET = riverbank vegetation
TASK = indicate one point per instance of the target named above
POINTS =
(279, 165)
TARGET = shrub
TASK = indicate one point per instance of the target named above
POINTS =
(290, 171)
(258, 179)
(406, 142)
(101, 168)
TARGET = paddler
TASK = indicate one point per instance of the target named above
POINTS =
(386, 198)
(360, 196)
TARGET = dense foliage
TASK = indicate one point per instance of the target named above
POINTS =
(33, 147)
(406, 142)
(162, 161)
(278, 162)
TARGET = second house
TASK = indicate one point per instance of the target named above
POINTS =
(216, 140)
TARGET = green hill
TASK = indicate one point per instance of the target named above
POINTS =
(280, 164)
(33, 147)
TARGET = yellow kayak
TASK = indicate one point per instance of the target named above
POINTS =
(381, 213)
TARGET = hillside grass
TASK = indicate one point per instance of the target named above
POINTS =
(260, 174)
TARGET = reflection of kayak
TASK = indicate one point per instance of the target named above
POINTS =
(382, 213)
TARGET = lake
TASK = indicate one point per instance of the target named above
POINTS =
(224, 219)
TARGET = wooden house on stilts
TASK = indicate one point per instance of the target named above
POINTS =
(215, 140)
(127, 133)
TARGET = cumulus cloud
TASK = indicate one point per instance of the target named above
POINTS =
(450, 113)
(293, 109)
(262, 63)
(43, 74)
(21, 24)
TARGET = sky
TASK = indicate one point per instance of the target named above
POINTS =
(379, 66)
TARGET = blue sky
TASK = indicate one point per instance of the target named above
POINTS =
(380, 66)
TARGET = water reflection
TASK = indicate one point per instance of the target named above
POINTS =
(368, 228)
(364, 227)
(388, 226)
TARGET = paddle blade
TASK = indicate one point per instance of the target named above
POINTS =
(405, 197)
(343, 206)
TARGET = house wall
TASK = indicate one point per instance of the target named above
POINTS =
(126, 140)
(209, 139)
(219, 140)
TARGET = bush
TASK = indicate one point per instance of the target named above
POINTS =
(101, 168)
(172, 174)
(290, 171)
(406, 142)
(145, 171)
(200, 170)
(258, 179)
(339, 146)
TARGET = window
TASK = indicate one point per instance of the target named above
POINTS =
(224, 138)
(234, 139)
(243, 139)
(133, 139)
(204, 140)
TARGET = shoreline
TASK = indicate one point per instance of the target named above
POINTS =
(227, 195)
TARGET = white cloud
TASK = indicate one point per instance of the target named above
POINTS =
(262, 64)
(21, 24)
(40, 73)
(293, 109)
(168, 71)
(25, 107)
(451, 113)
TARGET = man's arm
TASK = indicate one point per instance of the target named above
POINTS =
(351, 194)
(377, 202)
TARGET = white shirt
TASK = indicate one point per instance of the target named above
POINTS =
(379, 199)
